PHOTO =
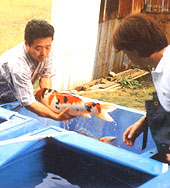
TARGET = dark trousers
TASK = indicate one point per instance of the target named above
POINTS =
(159, 123)
(6, 94)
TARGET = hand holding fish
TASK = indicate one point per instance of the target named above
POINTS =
(64, 116)
(57, 102)
(43, 111)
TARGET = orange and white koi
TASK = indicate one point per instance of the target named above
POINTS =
(58, 101)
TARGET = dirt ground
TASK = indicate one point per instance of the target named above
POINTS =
(133, 98)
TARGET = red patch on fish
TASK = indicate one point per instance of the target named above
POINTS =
(98, 106)
(50, 99)
(67, 98)
(101, 140)
(39, 94)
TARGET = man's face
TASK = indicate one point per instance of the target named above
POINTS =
(142, 62)
(40, 49)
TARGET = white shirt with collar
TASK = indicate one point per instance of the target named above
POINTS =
(161, 79)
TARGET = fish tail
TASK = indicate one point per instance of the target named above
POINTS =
(108, 107)
(105, 116)
(105, 108)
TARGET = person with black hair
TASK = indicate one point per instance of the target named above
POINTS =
(140, 37)
(25, 64)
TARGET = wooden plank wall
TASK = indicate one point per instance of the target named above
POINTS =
(106, 59)
(104, 51)
(125, 8)
(111, 11)
(159, 10)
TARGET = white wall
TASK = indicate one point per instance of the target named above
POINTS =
(76, 26)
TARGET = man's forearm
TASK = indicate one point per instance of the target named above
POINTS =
(143, 120)
(42, 110)
(45, 83)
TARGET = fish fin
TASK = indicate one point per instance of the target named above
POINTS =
(86, 115)
(108, 107)
(105, 116)
(105, 108)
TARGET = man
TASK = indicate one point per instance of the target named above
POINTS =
(26, 63)
(141, 38)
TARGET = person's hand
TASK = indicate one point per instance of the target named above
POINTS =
(167, 157)
(64, 116)
(43, 111)
(133, 131)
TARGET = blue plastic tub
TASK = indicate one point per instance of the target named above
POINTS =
(14, 124)
(74, 159)
(94, 127)
(79, 160)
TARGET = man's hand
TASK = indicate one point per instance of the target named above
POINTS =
(44, 111)
(64, 116)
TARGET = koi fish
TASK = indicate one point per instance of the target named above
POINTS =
(105, 139)
(58, 101)
(108, 139)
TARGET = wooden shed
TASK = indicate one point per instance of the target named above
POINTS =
(111, 12)
(83, 37)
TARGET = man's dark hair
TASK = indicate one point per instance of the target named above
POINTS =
(37, 29)
(141, 33)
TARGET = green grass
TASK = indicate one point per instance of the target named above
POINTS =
(133, 98)
(14, 16)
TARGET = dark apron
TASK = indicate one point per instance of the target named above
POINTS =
(159, 123)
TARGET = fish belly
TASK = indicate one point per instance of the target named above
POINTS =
(74, 109)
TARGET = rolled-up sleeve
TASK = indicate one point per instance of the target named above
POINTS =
(21, 85)
(23, 89)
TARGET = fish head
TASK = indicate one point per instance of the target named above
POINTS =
(38, 95)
